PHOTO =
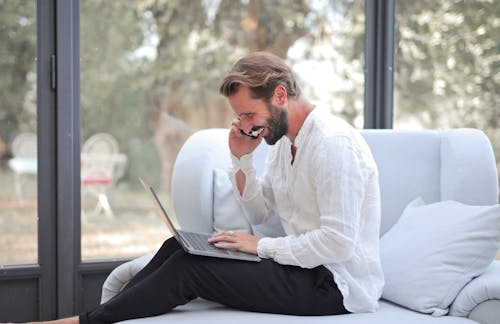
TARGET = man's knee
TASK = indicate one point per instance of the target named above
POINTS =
(170, 244)
(186, 270)
(185, 262)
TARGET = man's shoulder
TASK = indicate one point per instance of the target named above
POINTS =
(332, 130)
(329, 125)
(333, 135)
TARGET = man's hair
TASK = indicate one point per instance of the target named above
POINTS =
(261, 72)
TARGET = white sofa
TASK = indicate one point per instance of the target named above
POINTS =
(436, 165)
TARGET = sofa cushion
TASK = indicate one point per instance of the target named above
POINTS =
(202, 311)
(434, 250)
(409, 166)
(228, 214)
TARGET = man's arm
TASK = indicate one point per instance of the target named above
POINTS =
(240, 145)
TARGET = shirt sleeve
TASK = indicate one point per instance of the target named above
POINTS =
(339, 183)
(257, 200)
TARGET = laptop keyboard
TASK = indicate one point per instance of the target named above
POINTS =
(199, 242)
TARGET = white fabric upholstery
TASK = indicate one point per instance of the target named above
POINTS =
(192, 177)
(228, 214)
(409, 167)
(483, 288)
(434, 250)
(468, 168)
(205, 312)
(486, 312)
(411, 164)
(435, 165)
(121, 275)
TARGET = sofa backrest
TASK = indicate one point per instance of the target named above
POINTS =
(437, 165)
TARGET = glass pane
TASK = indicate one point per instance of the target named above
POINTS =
(18, 143)
(150, 79)
(447, 66)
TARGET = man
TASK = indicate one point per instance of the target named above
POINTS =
(322, 180)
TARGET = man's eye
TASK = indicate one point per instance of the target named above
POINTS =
(246, 116)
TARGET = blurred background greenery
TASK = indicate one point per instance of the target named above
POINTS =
(150, 72)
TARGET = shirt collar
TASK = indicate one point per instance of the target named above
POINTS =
(305, 129)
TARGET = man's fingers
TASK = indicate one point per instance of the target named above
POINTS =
(236, 123)
(223, 237)
(235, 131)
(224, 233)
(226, 245)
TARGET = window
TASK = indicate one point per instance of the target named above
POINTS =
(447, 66)
(18, 139)
(150, 79)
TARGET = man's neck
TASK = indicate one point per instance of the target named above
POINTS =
(298, 110)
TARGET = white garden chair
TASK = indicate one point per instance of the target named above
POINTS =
(101, 165)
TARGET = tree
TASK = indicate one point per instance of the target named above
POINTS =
(447, 63)
(17, 66)
(193, 52)
(115, 76)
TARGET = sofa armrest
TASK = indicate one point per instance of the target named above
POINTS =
(487, 312)
(121, 275)
(480, 298)
(192, 177)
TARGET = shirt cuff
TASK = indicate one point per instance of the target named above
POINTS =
(278, 249)
(244, 163)
(265, 248)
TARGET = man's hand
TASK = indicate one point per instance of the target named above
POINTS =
(236, 241)
(240, 144)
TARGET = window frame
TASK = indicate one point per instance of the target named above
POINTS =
(379, 62)
(66, 284)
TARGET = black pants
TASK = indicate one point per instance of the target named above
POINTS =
(174, 277)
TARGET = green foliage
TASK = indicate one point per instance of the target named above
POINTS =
(113, 78)
(17, 62)
(447, 63)
(447, 59)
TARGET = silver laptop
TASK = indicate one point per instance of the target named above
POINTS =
(196, 243)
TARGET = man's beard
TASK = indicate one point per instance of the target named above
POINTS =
(277, 124)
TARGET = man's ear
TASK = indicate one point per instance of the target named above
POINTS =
(280, 96)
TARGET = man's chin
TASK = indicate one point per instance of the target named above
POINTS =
(270, 141)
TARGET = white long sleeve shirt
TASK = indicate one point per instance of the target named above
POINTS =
(329, 205)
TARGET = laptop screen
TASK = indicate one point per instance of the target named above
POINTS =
(159, 206)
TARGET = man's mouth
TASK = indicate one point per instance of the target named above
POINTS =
(254, 132)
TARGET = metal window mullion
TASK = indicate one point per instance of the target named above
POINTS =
(46, 182)
(68, 154)
(379, 58)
